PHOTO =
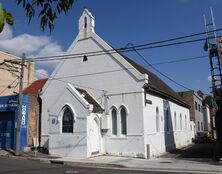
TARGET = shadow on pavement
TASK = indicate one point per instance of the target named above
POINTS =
(202, 152)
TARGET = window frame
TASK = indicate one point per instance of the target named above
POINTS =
(121, 121)
(175, 121)
(116, 123)
(62, 117)
(157, 119)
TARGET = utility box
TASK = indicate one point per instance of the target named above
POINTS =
(105, 122)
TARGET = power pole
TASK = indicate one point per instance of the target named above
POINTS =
(18, 130)
(211, 46)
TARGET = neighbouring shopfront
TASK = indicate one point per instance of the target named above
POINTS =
(8, 121)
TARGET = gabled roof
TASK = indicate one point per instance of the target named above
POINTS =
(35, 87)
(96, 107)
(156, 85)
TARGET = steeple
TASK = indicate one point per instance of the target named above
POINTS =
(86, 23)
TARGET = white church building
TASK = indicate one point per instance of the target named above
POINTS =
(104, 103)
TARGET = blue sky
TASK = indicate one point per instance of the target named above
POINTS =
(120, 22)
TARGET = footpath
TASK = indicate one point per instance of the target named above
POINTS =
(189, 165)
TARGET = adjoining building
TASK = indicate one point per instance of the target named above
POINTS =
(9, 74)
(8, 121)
(30, 121)
(199, 111)
(35, 105)
(108, 104)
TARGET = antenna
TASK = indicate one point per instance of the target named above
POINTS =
(213, 23)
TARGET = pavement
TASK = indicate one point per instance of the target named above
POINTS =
(162, 164)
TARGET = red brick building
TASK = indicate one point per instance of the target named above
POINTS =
(34, 109)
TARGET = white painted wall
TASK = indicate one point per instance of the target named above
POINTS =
(162, 140)
(206, 116)
(124, 86)
(199, 118)
(131, 144)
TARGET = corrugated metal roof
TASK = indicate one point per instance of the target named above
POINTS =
(96, 107)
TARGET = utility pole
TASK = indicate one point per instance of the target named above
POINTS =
(211, 46)
(18, 130)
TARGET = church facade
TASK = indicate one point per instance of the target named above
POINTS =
(104, 103)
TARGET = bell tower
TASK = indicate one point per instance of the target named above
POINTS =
(86, 23)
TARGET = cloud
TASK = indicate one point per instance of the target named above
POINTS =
(33, 46)
(6, 33)
(41, 73)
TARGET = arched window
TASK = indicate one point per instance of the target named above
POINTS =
(123, 121)
(114, 122)
(67, 121)
(175, 121)
(167, 119)
(85, 22)
(157, 120)
(181, 122)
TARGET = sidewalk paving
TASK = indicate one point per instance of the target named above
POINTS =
(157, 164)
(192, 165)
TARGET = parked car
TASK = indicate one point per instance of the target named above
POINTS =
(202, 137)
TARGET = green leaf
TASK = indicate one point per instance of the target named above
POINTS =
(2, 18)
(1, 26)
(9, 19)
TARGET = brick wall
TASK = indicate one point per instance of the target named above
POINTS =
(34, 116)
(188, 97)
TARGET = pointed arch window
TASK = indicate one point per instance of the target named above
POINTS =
(114, 121)
(67, 121)
(157, 120)
(175, 121)
(181, 125)
(123, 121)
(85, 22)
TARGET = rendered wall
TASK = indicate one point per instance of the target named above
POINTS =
(165, 139)
(131, 144)
(7, 78)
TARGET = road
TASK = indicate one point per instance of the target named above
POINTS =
(23, 166)
(201, 150)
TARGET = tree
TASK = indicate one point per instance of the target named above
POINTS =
(47, 10)
(5, 17)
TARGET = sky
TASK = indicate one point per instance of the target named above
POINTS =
(120, 22)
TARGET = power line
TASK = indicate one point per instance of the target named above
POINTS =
(180, 60)
(75, 56)
(148, 65)
(124, 49)
(8, 86)
(117, 70)
(81, 86)
(144, 59)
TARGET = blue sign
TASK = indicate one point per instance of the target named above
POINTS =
(8, 121)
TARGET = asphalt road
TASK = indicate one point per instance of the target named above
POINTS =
(201, 150)
(23, 166)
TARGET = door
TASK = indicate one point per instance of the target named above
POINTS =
(95, 137)
(7, 128)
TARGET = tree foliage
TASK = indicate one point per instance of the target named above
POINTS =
(47, 10)
(5, 17)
